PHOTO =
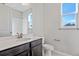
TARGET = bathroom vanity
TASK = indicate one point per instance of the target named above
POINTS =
(21, 47)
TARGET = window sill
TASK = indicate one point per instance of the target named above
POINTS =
(68, 28)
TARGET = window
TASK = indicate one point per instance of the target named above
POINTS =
(68, 15)
(30, 23)
(30, 20)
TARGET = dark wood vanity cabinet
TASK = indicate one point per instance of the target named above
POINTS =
(33, 48)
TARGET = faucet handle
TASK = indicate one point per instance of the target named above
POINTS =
(18, 35)
(21, 35)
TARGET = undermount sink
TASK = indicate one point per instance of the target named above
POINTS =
(24, 38)
(16, 40)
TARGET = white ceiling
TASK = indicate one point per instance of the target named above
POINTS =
(19, 6)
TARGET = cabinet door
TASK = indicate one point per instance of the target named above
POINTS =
(37, 50)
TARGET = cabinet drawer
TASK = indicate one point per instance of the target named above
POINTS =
(15, 50)
(36, 42)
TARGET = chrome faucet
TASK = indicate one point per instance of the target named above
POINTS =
(19, 35)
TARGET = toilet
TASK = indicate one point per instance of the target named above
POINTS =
(47, 49)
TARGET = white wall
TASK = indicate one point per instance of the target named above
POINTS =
(38, 17)
(6, 15)
(51, 25)
(46, 22)
(4, 21)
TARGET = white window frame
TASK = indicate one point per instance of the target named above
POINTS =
(76, 12)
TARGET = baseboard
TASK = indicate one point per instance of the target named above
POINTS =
(61, 53)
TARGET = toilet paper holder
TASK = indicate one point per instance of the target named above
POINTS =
(56, 40)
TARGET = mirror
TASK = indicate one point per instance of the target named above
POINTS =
(13, 19)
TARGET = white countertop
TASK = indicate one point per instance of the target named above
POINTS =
(9, 42)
